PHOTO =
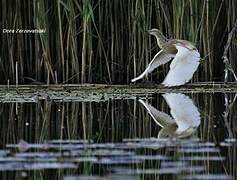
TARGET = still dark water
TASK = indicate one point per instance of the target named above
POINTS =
(166, 136)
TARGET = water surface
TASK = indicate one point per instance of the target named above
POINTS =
(172, 135)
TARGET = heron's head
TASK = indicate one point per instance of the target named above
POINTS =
(170, 131)
(155, 32)
(167, 131)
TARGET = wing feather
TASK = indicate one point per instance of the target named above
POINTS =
(159, 59)
(183, 110)
(161, 118)
(182, 67)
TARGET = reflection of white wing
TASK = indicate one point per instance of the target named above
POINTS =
(160, 58)
(183, 111)
(182, 67)
(161, 118)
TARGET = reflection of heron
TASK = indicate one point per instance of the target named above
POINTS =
(185, 62)
(186, 117)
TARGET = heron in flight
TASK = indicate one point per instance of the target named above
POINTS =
(185, 59)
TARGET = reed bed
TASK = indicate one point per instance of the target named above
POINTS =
(106, 41)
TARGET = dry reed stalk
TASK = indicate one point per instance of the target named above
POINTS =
(228, 66)
(106, 41)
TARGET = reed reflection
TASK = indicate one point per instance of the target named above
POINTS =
(185, 116)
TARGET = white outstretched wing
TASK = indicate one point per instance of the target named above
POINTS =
(184, 112)
(160, 58)
(161, 118)
(182, 67)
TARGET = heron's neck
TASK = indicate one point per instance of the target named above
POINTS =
(161, 40)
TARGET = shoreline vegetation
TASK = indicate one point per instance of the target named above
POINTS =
(103, 92)
(106, 41)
